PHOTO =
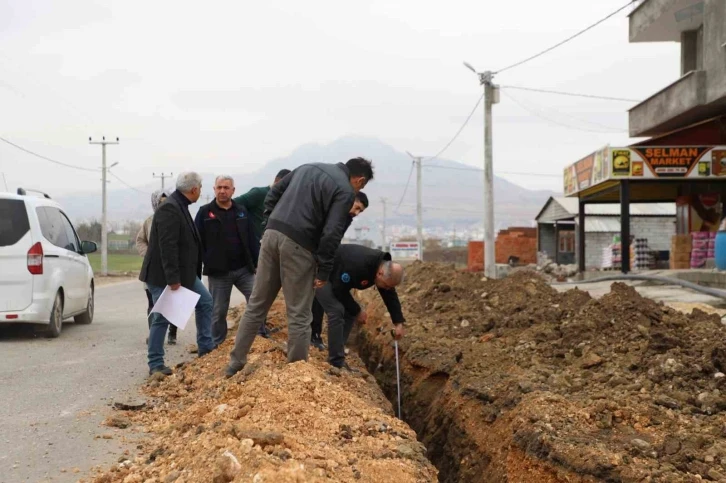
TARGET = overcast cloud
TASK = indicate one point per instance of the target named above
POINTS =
(228, 85)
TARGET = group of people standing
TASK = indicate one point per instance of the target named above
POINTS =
(280, 237)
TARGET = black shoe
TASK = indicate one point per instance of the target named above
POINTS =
(318, 344)
(231, 371)
(172, 339)
(274, 330)
(163, 369)
(266, 335)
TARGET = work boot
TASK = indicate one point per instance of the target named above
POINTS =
(264, 334)
(231, 371)
(163, 369)
(317, 342)
(172, 339)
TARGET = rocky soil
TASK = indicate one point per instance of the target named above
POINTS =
(512, 381)
(273, 422)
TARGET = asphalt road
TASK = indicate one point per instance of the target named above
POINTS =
(55, 393)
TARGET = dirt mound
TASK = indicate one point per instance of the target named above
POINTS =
(516, 381)
(273, 422)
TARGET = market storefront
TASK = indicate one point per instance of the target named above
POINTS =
(692, 177)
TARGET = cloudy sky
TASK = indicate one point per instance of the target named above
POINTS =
(229, 85)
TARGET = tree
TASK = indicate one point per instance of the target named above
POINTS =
(89, 231)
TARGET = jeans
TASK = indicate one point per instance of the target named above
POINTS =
(285, 265)
(340, 323)
(159, 324)
(220, 286)
(172, 327)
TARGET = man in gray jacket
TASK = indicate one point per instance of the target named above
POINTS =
(307, 213)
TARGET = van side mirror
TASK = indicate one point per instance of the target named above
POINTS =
(88, 247)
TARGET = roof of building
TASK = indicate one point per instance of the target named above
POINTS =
(561, 208)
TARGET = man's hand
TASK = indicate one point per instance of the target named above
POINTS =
(398, 331)
(362, 317)
(175, 286)
(319, 283)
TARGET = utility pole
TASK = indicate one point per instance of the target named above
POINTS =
(419, 207)
(491, 97)
(162, 176)
(384, 202)
(104, 230)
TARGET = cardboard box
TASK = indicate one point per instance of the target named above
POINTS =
(679, 265)
(681, 256)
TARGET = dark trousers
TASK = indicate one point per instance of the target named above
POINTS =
(172, 327)
(220, 286)
(317, 324)
(340, 324)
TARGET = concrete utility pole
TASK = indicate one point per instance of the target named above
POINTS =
(419, 206)
(162, 176)
(491, 97)
(384, 202)
(104, 221)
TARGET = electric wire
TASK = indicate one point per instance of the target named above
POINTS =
(554, 121)
(568, 39)
(471, 114)
(81, 168)
(570, 94)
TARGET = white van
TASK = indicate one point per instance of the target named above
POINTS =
(45, 276)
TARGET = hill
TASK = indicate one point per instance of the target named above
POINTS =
(452, 191)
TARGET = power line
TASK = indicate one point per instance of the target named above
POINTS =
(579, 119)
(47, 158)
(553, 121)
(570, 94)
(572, 37)
(408, 182)
(460, 129)
(497, 173)
(126, 184)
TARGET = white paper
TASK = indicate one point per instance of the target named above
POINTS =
(176, 305)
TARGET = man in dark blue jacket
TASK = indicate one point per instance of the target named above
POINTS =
(307, 211)
(358, 267)
(230, 251)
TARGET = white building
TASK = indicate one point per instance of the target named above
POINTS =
(557, 222)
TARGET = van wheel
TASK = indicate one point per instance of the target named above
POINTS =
(87, 316)
(56, 317)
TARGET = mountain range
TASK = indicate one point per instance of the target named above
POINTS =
(452, 191)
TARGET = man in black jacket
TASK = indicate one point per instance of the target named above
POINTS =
(307, 211)
(358, 267)
(230, 251)
(316, 339)
(173, 260)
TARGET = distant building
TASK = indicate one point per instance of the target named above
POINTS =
(700, 93)
(557, 222)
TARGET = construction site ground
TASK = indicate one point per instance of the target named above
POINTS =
(510, 380)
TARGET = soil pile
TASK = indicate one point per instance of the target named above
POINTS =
(512, 380)
(272, 422)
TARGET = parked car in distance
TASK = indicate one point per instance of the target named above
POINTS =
(45, 276)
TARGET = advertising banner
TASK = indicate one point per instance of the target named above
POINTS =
(645, 162)
(589, 171)
(407, 251)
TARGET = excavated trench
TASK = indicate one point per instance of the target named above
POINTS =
(452, 422)
(510, 381)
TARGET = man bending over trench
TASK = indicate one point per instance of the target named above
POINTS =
(357, 267)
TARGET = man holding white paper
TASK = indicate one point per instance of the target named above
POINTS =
(174, 260)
